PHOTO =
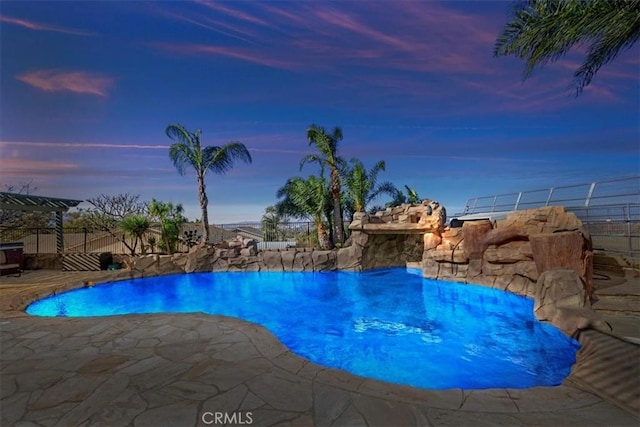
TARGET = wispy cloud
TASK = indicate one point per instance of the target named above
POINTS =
(81, 145)
(241, 54)
(20, 168)
(69, 81)
(326, 38)
(36, 26)
(218, 26)
(235, 13)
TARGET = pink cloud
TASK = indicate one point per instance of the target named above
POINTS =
(242, 54)
(536, 94)
(74, 81)
(240, 15)
(218, 26)
(428, 42)
(42, 27)
(433, 38)
(288, 15)
(321, 37)
(343, 20)
(21, 168)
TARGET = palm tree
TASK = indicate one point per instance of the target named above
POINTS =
(327, 144)
(170, 219)
(361, 185)
(400, 198)
(304, 199)
(188, 152)
(135, 226)
(542, 31)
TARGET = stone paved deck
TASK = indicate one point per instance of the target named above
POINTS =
(173, 369)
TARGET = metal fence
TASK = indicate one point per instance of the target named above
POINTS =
(609, 209)
(85, 240)
(78, 240)
(270, 235)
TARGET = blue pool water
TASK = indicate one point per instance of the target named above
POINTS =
(386, 324)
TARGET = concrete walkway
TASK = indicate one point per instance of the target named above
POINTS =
(196, 369)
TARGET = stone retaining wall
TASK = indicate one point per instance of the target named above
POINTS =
(541, 253)
(511, 254)
(508, 254)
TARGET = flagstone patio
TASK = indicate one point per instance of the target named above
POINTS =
(197, 369)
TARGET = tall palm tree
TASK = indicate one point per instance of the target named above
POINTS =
(188, 152)
(304, 198)
(542, 31)
(327, 144)
(361, 186)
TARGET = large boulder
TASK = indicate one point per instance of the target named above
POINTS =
(243, 263)
(349, 258)
(288, 258)
(302, 261)
(561, 299)
(271, 260)
(155, 265)
(431, 240)
(324, 260)
(200, 258)
(430, 214)
(473, 233)
(565, 249)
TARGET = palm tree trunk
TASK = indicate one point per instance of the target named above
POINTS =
(323, 239)
(204, 202)
(338, 230)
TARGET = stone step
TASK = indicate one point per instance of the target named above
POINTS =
(610, 264)
(624, 326)
(618, 303)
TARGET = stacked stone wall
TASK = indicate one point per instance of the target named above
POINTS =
(541, 253)
(511, 254)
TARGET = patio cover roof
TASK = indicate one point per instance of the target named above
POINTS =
(27, 202)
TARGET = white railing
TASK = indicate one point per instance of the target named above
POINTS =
(275, 245)
(609, 208)
(618, 191)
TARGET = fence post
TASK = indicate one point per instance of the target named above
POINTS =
(628, 219)
(593, 187)
(84, 246)
(38, 240)
(549, 196)
(515, 208)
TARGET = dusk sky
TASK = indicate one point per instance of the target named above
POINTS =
(88, 88)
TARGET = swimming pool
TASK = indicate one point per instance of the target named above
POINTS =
(388, 324)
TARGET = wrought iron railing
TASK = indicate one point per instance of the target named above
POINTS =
(271, 235)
